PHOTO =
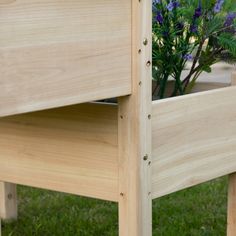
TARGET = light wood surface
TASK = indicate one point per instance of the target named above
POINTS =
(55, 53)
(72, 149)
(8, 201)
(206, 86)
(231, 211)
(135, 203)
(194, 139)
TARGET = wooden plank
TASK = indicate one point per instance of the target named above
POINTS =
(231, 212)
(8, 201)
(194, 139)
(200, 86)
(72, 149)
(55, 53)
(135, 203)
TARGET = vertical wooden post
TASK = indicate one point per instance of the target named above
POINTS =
(8, 201)
(231, 214)
(231, 218)
(135, 201)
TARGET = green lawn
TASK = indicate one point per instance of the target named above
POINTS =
(197, 211)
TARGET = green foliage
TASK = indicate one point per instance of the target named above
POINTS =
(228, 42)
(196, 32)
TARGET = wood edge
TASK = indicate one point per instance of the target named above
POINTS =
(188, 96)
(8, 201)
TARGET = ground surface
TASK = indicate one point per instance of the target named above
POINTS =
(199, 211)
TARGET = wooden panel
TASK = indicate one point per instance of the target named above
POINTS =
(200, 86)
(194, 139)
(135, 202)
(8, 201)
(206, 86)
(71, 149)
(55, 53)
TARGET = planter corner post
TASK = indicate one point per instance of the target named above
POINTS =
(134, 131)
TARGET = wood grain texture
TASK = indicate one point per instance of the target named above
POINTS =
(231, 211)
(8, 201)
(194, 139)
(72, 149)
(206, 86)
(134, 132)
(55, 53)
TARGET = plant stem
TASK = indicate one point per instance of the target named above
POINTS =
(163, 86)
(192, 70)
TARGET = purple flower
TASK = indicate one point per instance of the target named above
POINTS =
(218, 6)
(229, 23)
(230, 18)
(197, 13)
(159, 18)
(188, 57)
(172, 5)
(165, 34)
(193, 28)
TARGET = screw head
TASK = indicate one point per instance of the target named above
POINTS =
(145, 42)
(148, 63)
(145, 158)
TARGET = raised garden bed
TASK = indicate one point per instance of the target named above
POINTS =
(61, 53)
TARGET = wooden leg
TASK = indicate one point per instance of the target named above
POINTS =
(231, 218)
(134, 131)
(231, 214)
(8, 201)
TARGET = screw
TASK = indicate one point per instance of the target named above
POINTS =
(148, 63)
(145, 42)
(145, 158)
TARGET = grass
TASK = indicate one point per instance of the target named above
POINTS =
(197, 211)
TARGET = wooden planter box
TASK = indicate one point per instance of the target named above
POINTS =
(56, 57)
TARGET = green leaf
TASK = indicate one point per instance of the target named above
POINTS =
(228, 42)
(207, 69)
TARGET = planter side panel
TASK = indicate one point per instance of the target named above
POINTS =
(72, 149)
(55, 53)
(194, 140)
